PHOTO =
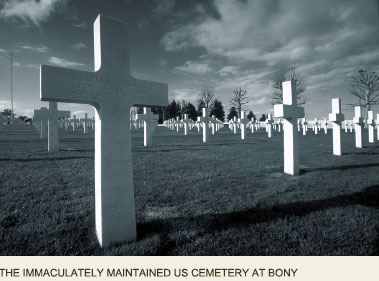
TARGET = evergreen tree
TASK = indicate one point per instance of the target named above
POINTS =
(251, 115)
(263, 118)
(191, 111)
(218, 110)
(172, 109)
(232, 113)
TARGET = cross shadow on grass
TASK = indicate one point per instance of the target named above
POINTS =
(211, 223)
(344, 167)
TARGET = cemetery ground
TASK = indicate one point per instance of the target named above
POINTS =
(226, 197)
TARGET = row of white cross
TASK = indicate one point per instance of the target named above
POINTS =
(112, 91)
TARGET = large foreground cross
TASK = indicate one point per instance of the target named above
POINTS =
(112, 91)
(290, 112)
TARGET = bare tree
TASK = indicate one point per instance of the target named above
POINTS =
(206, 96)
(239, 100)
(365, 86)
(285, 74)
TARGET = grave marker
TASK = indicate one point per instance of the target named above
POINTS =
(336, 118)
(370, 124)
(205, 120)
(243, 123)
(112, 91)
(269, 123)
(85, 121)
(358, 121)
(148, 125)
(290, 112)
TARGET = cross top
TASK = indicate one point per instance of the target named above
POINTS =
(243, 119)
(205, 117)
(269, 119)
(358, 116)
(147, 115)
(370, 117)
(111, 81)
(336, 115)
(185, 119)
(289, 108)
(85, 119)
(51, 112)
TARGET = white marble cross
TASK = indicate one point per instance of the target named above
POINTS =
(177, 124)
(40, 118)
(85, 121)
(269, 122)
(235, 125)
(290, 112)
(243, 123)
(49, 124)
(305, 126)
(358, 121)
(336, 117)
(326, 126)
(149, 122)
(74, 122)
(186, 123)
(112, 90)
(370, 124)
(213, 122)
(315, 126)
(205, 120)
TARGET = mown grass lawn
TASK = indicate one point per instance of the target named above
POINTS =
(226, 197)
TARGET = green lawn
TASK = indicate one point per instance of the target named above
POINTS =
(226, 197)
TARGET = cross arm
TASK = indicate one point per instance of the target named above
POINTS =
(65, 114)
(59, 84)
(288, 111)
(146, 93)
(336, 117)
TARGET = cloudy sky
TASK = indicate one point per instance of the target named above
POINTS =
(192, 44)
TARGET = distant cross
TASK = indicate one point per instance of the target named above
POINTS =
(336, 117)
(235, 125)
(325, 126)
(243, 123)
(257, 124)
(149, 121)
(85, 121)
(299, 125)
(112, 90)
(186, 123)
(213, 123)
(269, 123)
(49, 124)
(41, 117)
(205, 120)
(177, 124)
(370, 124)
(358, 121)
(74, 123)
(290, 112)
(315, 126)
(305, 126)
